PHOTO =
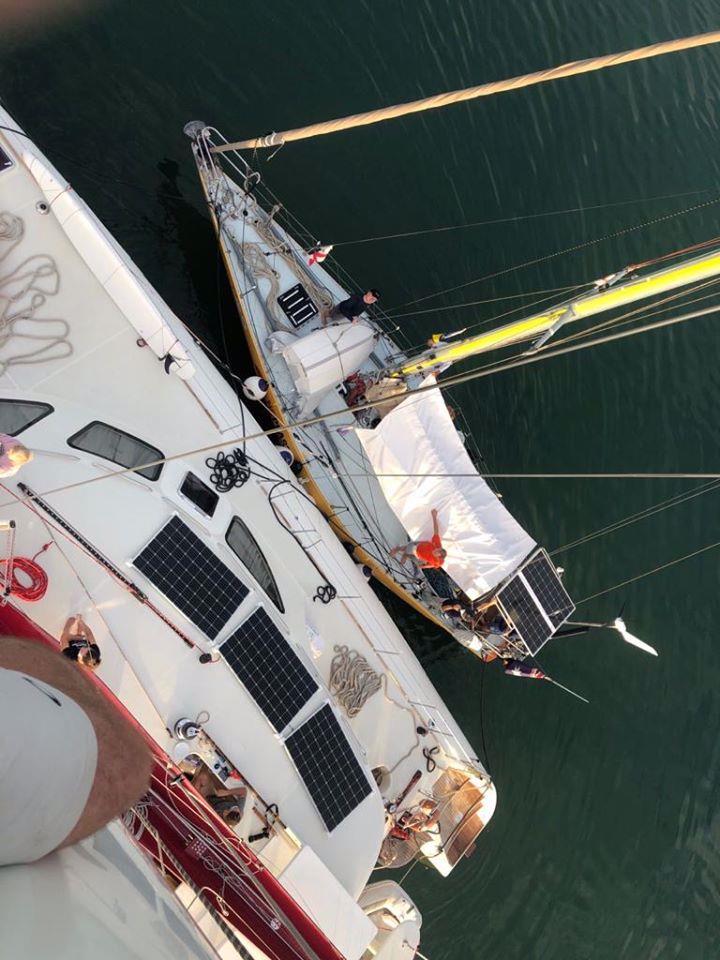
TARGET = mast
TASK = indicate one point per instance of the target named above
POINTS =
(541, 326)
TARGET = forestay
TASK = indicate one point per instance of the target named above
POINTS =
(421, 463)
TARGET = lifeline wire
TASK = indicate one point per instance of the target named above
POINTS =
(450, 382)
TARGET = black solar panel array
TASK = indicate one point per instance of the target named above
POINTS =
(192, 577)
(273, 674)
(543, 578)
(536, 583)
(524, 613)
(328, 767)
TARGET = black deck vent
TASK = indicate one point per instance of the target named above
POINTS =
(297, 306)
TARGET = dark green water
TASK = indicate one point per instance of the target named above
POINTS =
(606, 842)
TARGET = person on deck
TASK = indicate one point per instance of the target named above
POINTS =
(426, 553)
(77, 642)
(228, 802)
(423, 820)
(353, 307)
(13, 455)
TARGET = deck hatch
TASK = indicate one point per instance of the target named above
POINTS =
(535, 602)
(5, 161)
(191, 576)
(273, 674)
(199, 493)
(328, 766)
(297, 306)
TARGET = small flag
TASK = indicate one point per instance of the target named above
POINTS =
(319, 254)
(516, 668)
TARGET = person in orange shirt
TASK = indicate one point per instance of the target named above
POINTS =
(426, 553)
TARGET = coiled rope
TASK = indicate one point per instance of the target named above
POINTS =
(30, 592)
(352, 680)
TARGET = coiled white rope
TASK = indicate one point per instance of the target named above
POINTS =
(352, 680)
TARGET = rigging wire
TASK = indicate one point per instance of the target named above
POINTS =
(551, 349)
(519, 218)
(475, 303)
(558, 253)
(446, 384)
(483, 665)
(681, 498)
(615, 322)
(648, 573)
(678, 499)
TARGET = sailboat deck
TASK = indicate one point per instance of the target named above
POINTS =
(334, 457)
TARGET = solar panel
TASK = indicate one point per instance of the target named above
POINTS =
(545, 583)
(273, 674)
(192, 577)
(297, 306)
(524, 613)
(328, 767)
(535, 601)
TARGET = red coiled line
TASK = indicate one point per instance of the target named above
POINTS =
(30, 592)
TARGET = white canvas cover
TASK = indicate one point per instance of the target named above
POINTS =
(421, 463)
(324, 358)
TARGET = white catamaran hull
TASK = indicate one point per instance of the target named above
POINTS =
(230, 606)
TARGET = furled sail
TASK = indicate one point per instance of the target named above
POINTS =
(421, 462)
(600, 300)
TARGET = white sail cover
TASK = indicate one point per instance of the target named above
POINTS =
(421, 463)
(324, 358)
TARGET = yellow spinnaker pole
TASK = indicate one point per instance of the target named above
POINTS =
(662, 281)
(472, 93)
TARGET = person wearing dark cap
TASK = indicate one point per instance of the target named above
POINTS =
(355, 305)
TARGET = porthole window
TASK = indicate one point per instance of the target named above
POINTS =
(118, 447)
(246, 549)
(18, 415)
